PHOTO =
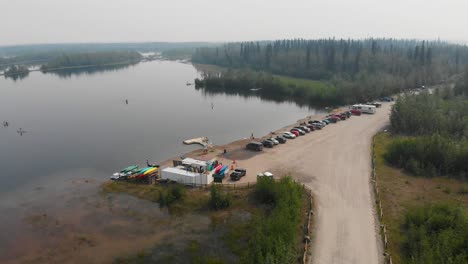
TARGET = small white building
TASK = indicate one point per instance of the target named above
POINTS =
(191, 172)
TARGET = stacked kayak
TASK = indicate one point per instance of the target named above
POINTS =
(125, 173)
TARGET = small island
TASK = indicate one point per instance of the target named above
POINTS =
(16, 72)
(93, 59)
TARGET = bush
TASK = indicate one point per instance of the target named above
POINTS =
(273, 237)
(429, 156)
(436, 234)
(218, 199)
(172, 194)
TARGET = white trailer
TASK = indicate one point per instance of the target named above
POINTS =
(185, 177)
(368, 109)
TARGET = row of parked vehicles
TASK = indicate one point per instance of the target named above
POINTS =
(303, 129)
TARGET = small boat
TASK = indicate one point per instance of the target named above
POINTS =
(125, 173)
(255, 89)
(223, 170)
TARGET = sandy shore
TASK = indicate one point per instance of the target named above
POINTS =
(335, 163)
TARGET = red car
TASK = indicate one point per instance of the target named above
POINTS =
(312, 127)
(355, 112)
(337, 117)
(296, 133)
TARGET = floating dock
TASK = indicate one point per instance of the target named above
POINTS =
(203, 141)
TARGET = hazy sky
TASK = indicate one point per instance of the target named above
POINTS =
(52, 21)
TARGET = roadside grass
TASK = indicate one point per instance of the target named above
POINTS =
(400, 192)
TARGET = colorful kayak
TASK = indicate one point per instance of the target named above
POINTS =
(218, 168)
(126, 172)
(223, 169)
(147, 172)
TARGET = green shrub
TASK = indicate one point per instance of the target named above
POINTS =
(429, 156)
(273, 236)
(436, 234)
(218, 199)
(172, 194)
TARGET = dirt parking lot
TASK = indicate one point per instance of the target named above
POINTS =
(335, 163)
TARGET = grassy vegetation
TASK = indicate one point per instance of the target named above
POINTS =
(271, 235)
(250, 227)
(403, 195)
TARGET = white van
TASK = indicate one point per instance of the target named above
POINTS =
(368, 109)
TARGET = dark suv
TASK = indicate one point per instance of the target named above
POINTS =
(256, 146)
(238, 173)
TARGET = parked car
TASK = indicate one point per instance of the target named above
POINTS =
(311, 127)
(332, 119)
(317, 123)
(289, 135)
(295, 132)
(281, 139)
(326, 121)
(256, 146)
(268, 143)
(307, 130)
(237, 174)
(386, 99)
(275, 142)
(265, 174)
(348, 114)
(343, 116)
(300, 131)
(355, 112)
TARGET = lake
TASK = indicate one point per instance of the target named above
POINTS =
(80, 122)
(78, 130)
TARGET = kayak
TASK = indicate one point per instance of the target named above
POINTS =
(223, 169)
(147, 172)
(124, 172)
(218, 168)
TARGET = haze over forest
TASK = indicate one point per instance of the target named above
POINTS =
(59, 21)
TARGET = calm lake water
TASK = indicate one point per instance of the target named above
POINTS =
(80, 124)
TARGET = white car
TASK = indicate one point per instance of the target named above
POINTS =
(265, 174)
(288, 134)
(274, 140)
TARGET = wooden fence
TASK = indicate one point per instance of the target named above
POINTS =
(383, 229)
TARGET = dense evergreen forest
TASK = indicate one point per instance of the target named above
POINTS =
(93, 59)
(358, 69)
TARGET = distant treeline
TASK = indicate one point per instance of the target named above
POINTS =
(359, 69)
(43, 53)
(95, 59)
